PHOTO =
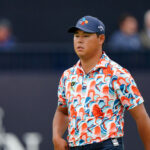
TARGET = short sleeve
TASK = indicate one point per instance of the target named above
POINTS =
(61, 92)
(127, 91)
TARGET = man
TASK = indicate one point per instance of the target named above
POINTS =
(93, 95)
(127, 37)
(7, 40)
(145, 34)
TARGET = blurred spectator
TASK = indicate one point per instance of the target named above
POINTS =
(145, 34)
(7, 40)
(126, 38)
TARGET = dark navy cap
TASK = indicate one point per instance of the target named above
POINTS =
(89, 24)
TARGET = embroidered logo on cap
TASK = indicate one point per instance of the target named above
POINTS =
(100, 28)
(83, 21)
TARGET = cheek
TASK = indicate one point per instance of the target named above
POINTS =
(74, 43)
(91, 44)
(88, 42)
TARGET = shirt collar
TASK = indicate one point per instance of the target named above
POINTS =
(103, 63)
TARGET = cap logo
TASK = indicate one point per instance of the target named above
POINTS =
(83, 21)
(100, 28)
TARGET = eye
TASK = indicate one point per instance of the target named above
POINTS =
(86, 35)
(76, 35)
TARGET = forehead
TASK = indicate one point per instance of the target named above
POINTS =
(82, 32)
(130, 19)
(147, 18)
(4, 28)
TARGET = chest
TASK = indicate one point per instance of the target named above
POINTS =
(91, 86)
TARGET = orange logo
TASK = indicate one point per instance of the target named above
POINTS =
(84, 21)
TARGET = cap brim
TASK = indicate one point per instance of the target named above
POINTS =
(74, 29)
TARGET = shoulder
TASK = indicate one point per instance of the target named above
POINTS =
(121, 77)
(143, 32)
(143, 35)
(66, 76)
(116, 34)
(68, 72)
(115, 40)
(118, 70)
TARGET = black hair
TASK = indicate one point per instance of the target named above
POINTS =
(123, 17)
(5, 23)
(98, 34)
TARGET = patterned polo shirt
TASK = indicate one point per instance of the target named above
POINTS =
(96, 101)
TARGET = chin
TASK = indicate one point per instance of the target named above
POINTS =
(82, 56)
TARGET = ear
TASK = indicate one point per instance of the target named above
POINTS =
(102, 38)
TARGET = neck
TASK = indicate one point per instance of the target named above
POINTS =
(88, 64)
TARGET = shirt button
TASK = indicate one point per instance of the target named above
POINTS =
(84, 87)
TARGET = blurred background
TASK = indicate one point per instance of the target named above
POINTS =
(35, 49)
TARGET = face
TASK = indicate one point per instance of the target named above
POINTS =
(147, 21)
(4, 34)
(87, 45)
(129, 26)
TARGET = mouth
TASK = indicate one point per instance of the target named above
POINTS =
(79, 48)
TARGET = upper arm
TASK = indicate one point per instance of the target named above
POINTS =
(139, 113)
(127, 91)
(63, 110)
(62, 101)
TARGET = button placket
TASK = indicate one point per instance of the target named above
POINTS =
(84, 82)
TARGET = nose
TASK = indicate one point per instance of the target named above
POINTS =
(80, 40)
